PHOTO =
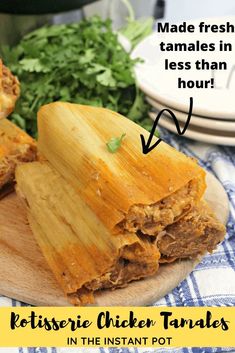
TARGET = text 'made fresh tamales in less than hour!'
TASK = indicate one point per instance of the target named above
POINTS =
(104, 219)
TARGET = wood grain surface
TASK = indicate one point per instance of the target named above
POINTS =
(25, 275)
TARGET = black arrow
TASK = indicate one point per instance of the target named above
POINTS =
(146, 146)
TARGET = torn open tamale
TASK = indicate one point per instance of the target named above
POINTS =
(82, 253)
(9, 91)
(127, 190)
(104, 219)
(15, 147)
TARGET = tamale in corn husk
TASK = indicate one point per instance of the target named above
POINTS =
(104, 219)
(127, 190)
(82, 253)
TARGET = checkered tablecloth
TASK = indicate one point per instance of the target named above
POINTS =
(212, 283)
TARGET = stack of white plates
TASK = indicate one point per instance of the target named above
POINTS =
(213, 118)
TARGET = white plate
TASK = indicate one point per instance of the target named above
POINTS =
(203, 135)
(215, 124)
(161, 84)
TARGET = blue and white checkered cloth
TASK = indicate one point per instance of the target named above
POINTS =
(212, 283)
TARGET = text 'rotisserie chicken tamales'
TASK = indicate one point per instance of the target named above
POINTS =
(103, 219)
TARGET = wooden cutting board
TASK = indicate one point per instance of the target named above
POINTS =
(25, 275)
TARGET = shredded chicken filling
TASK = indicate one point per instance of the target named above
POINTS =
(134, 263)
(152, 219)
(9, 82)
(23, 153)
(195, 234)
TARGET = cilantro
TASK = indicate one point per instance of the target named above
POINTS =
(33, 65)
(80, 63)
(136, 30)
(115, 143)
(106, 78)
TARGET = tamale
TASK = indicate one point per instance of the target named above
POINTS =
(82, 253)
(15, 147)
(9, 91)
(127, 190)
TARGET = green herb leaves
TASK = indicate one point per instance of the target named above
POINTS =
(78, 63)
(136, 30)
(115, 143)
(33, 65)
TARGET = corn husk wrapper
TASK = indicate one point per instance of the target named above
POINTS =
(82, 253)
(73, 138)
